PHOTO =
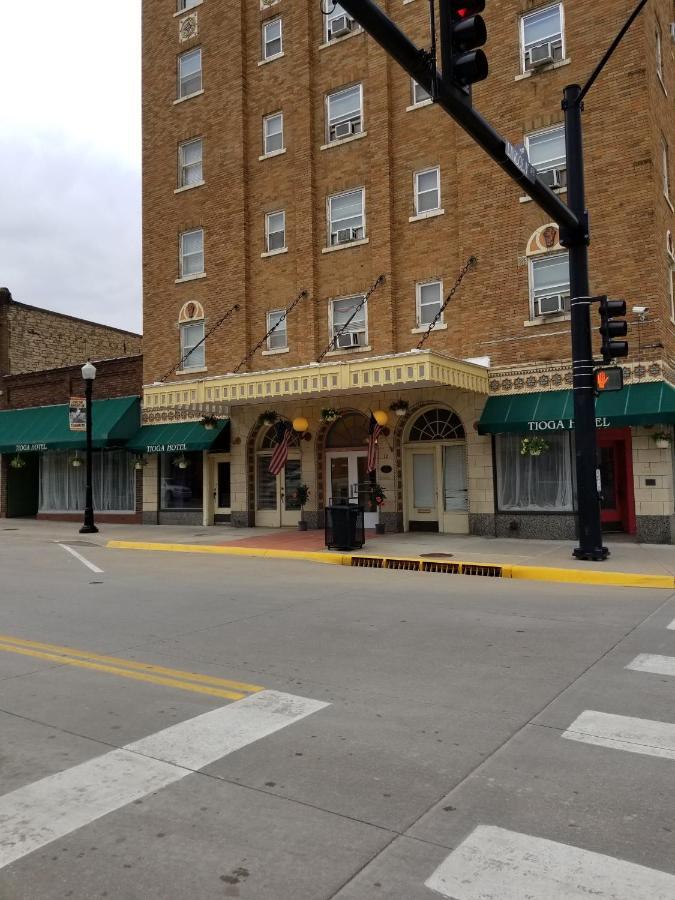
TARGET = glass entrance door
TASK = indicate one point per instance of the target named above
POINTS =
(348, 480)
(277, 495)
(437, 493)
(220, 481)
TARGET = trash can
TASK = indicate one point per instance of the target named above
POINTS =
(344, 527)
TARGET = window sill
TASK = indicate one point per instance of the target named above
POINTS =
(345, 37)
(549, 68)
(263, 62)
(660, 77)
(274, 252)
(421, 329)
(526, 199)
(196, 370)
(272, 154)
(547, 320)
(419, 105)
(349, 350)
(276, 352)
(185, 12)
(430, 214)
(195, 277)
(346, 246)
(341, 141)
(188, 187)
(669, 202)
(188, 97)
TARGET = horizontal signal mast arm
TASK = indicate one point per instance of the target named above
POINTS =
(416, 63)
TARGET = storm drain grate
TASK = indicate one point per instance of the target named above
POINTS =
(408, 565)
(426, 565)
(367, 562)
(445, 567)
(475, 569)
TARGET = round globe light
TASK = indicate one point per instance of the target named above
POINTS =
(381, 417)
(300, 424)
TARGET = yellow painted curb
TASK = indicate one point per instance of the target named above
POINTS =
(527, 573)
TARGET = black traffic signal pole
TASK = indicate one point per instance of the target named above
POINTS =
(88, 527)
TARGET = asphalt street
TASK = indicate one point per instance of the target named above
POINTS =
(182, 726)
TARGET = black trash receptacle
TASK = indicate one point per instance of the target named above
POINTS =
(344, 527)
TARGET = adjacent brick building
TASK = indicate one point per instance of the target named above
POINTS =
(284, 152)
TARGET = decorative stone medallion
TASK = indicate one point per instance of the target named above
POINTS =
(188, 28)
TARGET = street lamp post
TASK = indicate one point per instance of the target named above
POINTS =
(88, 375)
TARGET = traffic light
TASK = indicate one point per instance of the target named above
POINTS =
(463, 31)
(611, 327)
(608, 379)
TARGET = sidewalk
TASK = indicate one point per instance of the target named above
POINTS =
(548, 560)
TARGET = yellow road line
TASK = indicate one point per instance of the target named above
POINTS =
(133, 664)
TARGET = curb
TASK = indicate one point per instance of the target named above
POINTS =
(414, 563)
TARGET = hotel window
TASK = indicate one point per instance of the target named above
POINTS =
(187, 4)
(541, 37)
(547, 153)
(190, 163)
(535, 484)
(338, 23)
(671, 285)
(346, 217)
(192, 253)
(665, 165)
(658, 50)
(190, 73)
(427, 191)
(275, 231)
(272, 44)
(549, 284)
(278, 340)
(418, 94)
(344, 113)
(355, 333)
(429, 300)
(192, 356)
(273, 134)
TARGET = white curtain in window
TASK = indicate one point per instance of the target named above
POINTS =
(534, 483)
(63, 486)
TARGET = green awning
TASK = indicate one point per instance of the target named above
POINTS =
(652, 403)
(48, 427)
(175, 437)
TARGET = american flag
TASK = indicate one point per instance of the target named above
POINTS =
(283, 435)
(374, 431)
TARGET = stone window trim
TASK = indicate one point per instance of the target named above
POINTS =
(419, 105)
(347, 140)
(550, 68)
(194, 277)
(278, 252)
(188, 97)
(431, 214)
(270, 59)
(188, 187)
(422, 329)
(348, 246)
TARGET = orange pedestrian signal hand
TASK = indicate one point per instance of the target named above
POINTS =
(601, 380)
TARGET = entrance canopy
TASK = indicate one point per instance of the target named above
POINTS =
(176, 437)
(48, 427)
(651, 403)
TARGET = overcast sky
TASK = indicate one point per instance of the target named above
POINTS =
(70, 158)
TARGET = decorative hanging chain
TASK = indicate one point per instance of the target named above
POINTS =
(325, 3)
(470, 264)
(378, 281)
(186, 356)
(301, 296)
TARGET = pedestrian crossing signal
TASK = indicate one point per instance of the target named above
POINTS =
(607, 379)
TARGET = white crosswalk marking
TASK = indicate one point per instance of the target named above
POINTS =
(496, 864)
(39, 813)
(624, 733)
(653, 663)
(672, 625)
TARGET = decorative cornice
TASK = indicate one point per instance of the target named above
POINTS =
(558, 376)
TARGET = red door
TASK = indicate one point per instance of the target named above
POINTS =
(616, 472)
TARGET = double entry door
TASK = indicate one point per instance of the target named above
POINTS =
(276, 495)
(347, 479)
(437, 494)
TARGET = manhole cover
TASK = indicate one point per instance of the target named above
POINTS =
(200, 534)
(435, 555)
(10, 529)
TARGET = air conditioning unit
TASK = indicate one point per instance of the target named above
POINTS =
(672, 32)
(340, 26)
(549, 306)
(342, 236)
(541, 54)
(349, 339)
(343, 129)
(554, 178)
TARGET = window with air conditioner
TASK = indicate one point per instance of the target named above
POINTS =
(427, 191)
(187, 4)
(542, 38)
(278, 340)
(272, 42)
(547, 153)
(275, 231)
(549, 285)
(190, 163)
(348, 323)
(417, 93)
(429, 301)
(189, 73)
(346, 217)
(338, 23)
(665, 167)
(192, 253)
(344, 113)
(192, 349)
(273, 134)
(658, 50)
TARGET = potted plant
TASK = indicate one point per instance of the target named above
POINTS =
(377, 498)
(399, 407)
(17, 462)
(662, 439)
(180, 461)
(328, 414)
(533, 446)
(209, 422)
(269, 417)
(302, 496)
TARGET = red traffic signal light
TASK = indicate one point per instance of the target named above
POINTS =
(462, 32)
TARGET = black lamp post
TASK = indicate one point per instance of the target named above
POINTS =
(88, 375)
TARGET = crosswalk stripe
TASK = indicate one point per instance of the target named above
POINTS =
(497, 864)
(644, 736)
(653, 663)
(42, 812)
(672, 625)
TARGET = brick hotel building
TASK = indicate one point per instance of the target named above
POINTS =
(284, 152)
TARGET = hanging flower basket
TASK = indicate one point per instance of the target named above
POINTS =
(534, 446)
(76, 462)
(140, 463)
(269, 417)
(180, 462)
(209, 422)
(329, 414)
(662, 439)
(17, 462)
(400, 407)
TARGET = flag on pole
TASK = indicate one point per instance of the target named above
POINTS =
(374, 431)
(283, 434)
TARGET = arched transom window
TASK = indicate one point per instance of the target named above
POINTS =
(350, 430)
(269, 439)
(437, 425)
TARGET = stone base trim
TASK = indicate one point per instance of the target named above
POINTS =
(655, 529)
(181, 517)
(542, 526)
(482, 524)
